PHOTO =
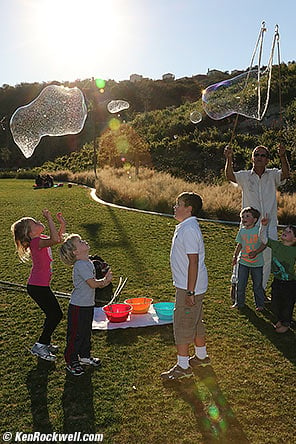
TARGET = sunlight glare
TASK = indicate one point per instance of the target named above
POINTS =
(78, 35)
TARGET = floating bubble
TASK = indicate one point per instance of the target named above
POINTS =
(195, 117)
(114, 124)
(246, 94)
(115, 106)
(57, 111)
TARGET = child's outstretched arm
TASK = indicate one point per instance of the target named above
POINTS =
(62, 229)
(53, 238)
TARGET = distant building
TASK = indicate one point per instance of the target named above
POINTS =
(213, 72)
(168, 76)
(136, 78)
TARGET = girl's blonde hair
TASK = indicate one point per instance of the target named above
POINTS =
(20, 231)
(68, 247)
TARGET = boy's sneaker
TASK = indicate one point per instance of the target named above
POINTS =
(177, 372)
(43, 352)
(53, 348)
(194, 361)
(95, 362)
(75, 369)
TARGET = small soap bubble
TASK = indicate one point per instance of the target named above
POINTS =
(115, 106)
(195, 117)
(57, 111)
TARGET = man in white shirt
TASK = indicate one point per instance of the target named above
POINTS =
(259, 187)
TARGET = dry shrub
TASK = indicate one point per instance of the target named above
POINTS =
(152, 190)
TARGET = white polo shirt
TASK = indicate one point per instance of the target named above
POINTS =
(187, 239)
(260, 193)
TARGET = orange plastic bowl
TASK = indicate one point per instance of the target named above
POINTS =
(139, 305)
(117, 312)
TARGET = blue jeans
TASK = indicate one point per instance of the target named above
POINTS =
(243, 275)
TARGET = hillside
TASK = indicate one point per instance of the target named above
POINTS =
(159, 112)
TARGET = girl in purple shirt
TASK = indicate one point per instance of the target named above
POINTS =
(30, 242)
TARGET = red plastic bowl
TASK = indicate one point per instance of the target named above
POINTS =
(117, 312)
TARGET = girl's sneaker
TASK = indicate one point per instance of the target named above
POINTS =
(43, 352)
(95, 362)
(75, 369)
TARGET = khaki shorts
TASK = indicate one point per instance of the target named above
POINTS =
(188, 321)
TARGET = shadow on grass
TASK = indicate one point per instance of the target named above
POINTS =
(215, 419)
(285, 343)
(37, 381)
(77, 401)
(126, 242)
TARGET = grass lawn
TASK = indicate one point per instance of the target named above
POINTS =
(247, 395)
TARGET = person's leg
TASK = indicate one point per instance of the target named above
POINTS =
(85, 331)
(243, 275)
(275, 299)
(48, 303)
(287, 302)
(72, 347)
(183, 324)
(256, 274)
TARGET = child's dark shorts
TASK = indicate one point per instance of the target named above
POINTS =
(188, 321)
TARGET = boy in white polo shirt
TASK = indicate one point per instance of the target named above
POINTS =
(190, 279)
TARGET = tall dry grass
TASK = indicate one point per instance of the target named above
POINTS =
(157, 191)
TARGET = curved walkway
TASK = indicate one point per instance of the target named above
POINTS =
(97, 199)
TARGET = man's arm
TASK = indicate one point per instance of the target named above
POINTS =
(284, 162)
(229, 174)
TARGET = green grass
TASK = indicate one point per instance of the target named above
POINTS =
(247, 395)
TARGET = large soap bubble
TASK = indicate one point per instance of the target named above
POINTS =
(57, 111)
(115, 106)
(246, 94)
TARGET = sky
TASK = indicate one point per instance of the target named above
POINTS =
(65, 40)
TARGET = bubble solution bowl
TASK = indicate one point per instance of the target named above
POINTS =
(117, 312)
(164, 310)
(139, 305)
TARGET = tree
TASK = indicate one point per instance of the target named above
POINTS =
(122, 143)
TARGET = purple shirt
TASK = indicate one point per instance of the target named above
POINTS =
(41, 269)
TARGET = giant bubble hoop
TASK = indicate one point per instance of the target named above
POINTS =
(248, 93)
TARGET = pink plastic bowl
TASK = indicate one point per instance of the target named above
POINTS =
(117, 312)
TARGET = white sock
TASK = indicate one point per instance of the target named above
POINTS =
(183, 361)
(201, 352)
(39, 344)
